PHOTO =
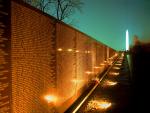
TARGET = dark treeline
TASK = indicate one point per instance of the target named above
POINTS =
(140, 57)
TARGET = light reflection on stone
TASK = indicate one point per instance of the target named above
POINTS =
(99, 105)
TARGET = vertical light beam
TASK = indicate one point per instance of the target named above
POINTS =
(127, 40)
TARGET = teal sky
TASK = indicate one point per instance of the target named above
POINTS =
(107, 20)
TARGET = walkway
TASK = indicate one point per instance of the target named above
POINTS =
(112, 94)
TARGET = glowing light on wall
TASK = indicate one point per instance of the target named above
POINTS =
(102, 64)
(88, 72)
(111, 58)
(116, 54)
(77, 81)
(88, 52)
(69, 50)
(59, 49)
(96, 67)
(127, 40)
(77, 51)
(105, 61)
(50, 98)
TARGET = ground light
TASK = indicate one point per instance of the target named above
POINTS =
(118, 64)
(114, 73)
(120, 61)
(115, 67)
(104, 104)
(99, 105)
(109, 83)
(121, 58)
(122, 54)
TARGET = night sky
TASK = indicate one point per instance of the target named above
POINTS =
(107, 20)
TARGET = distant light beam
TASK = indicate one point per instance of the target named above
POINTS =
(127, 40)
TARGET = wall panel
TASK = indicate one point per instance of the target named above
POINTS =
(33, 75)
(65, 61)
(83, 61)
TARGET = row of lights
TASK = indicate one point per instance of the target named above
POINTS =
(104, 104)
(52, 99)
(109, 82)
(101, 65)
(70, 50)
(96, 67)
(100, 104)
(89, 72)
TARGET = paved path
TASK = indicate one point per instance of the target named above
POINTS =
(113, 92)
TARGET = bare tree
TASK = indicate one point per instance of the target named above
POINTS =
(28, 1)
(61, 9)
(40, 4)
(43, 4)
(31, 2)
(65, 8)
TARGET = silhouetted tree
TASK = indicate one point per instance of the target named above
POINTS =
(40, 4)
(61, 9)
(65, 8)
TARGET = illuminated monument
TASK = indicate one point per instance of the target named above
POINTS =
(127, 40)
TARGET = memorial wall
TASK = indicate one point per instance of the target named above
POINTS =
(33, 59)
(44, 60)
